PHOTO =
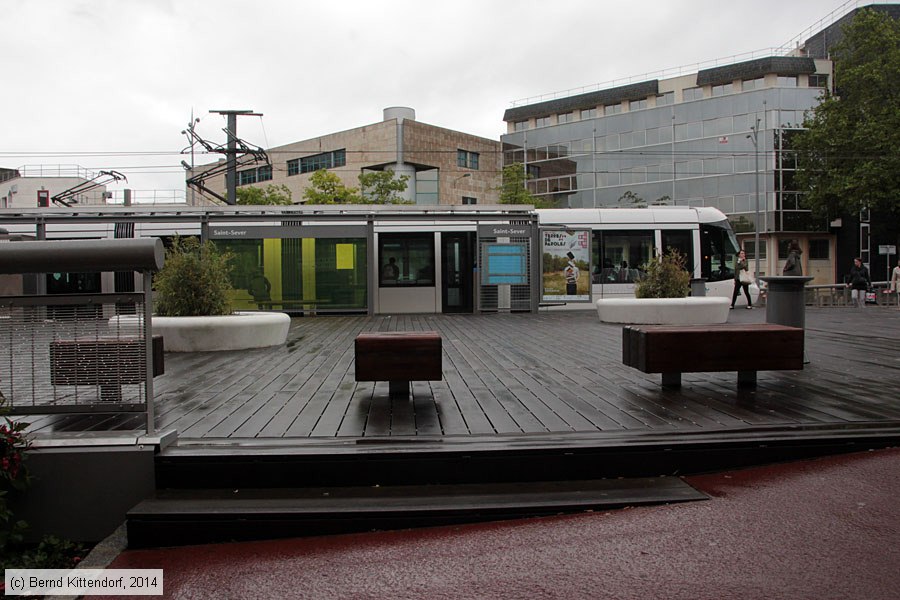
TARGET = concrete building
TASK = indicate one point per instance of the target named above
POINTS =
(444, 166)
(34, 186)
(717, 137)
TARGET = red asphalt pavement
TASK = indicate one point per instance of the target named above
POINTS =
(820, 529)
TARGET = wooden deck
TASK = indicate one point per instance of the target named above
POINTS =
(512, 375)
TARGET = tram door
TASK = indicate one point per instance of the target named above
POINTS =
(457, 258)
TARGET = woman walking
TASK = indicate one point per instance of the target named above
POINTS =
(858, 281)
(742, 279)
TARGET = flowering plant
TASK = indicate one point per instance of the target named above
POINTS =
(13, 445)
(13, 476)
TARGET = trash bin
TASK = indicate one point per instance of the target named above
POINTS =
(698, 287)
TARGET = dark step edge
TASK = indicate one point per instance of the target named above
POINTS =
(179, 521)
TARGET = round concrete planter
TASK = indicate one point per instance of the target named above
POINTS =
(239, 331)
(693, 310)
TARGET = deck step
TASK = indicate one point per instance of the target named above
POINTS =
(184, 516)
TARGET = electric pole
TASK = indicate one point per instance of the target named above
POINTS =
(232, 151)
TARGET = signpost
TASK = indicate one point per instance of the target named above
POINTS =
(888, 250)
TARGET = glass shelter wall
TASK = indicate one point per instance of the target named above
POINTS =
(299, 273)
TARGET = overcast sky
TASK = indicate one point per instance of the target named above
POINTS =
(110, 84)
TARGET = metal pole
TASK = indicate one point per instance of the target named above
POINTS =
(231, 173)
(148, 352)
(755, 139)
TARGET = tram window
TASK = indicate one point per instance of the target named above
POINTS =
(718, 248)
(406, 259)
(619, 256)
(681, 240)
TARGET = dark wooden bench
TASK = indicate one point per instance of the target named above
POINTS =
(398, 357)
(109, 362)
(676, 349)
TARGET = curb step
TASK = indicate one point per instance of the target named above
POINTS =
(185, 516)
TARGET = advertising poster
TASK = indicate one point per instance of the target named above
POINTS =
(566, 266)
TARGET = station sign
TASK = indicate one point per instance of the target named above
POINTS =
(504, 230)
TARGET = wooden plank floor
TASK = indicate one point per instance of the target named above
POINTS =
(513, 374)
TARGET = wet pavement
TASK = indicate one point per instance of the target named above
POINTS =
(824, 529)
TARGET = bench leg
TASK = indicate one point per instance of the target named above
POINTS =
(671, 379)
(746, 379)
(398, 389)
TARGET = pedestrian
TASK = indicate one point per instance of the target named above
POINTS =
(742, 279)
(859, 282)
(895, 283)
(792, 266)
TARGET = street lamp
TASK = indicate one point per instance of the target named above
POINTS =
(754, 137)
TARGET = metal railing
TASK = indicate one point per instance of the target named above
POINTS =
(74, 354)
(838, 294)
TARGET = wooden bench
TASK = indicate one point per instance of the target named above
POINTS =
(109, 362)
(676, 349)
(398, 357)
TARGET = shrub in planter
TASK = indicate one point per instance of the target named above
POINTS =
(665, 277)
(194, 280)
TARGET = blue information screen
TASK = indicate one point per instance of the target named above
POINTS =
(505, 263)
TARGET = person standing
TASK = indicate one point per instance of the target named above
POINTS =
(792, 266)
(742, 279)
(895, 283)
(858, 281)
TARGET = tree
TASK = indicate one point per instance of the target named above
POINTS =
(847, 156)
(271, 195)
(514, 191)
(381, 187)
(633, 199)
(194, 280)
(327, 188)
(664, 277)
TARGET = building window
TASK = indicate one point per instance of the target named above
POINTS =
(637, 104)
(466, 159)
(612, 109)
(750, 249)
(534, 171)
(565, 117)
(818, 81)
(588, 113)
(818, 249)
(520, 125)
(721, 90)
(406, 259)
(469, 200)
(753, 84)
(787, 81)
(665, 99)
(325, 160)
(694, 93)
(246, 177)
(542, 121)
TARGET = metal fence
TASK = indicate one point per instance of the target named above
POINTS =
(75, 354)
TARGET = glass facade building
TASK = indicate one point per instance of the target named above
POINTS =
(720, 138)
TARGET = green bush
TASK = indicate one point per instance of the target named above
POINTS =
(194, 280)
(665, 277)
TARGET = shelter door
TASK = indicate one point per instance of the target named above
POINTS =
(457, 268)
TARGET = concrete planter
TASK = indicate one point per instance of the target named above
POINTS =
(239, 331)
(693, 310)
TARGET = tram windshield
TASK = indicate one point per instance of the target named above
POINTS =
(719, 247)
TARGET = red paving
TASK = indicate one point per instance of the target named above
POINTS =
(821, 529)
